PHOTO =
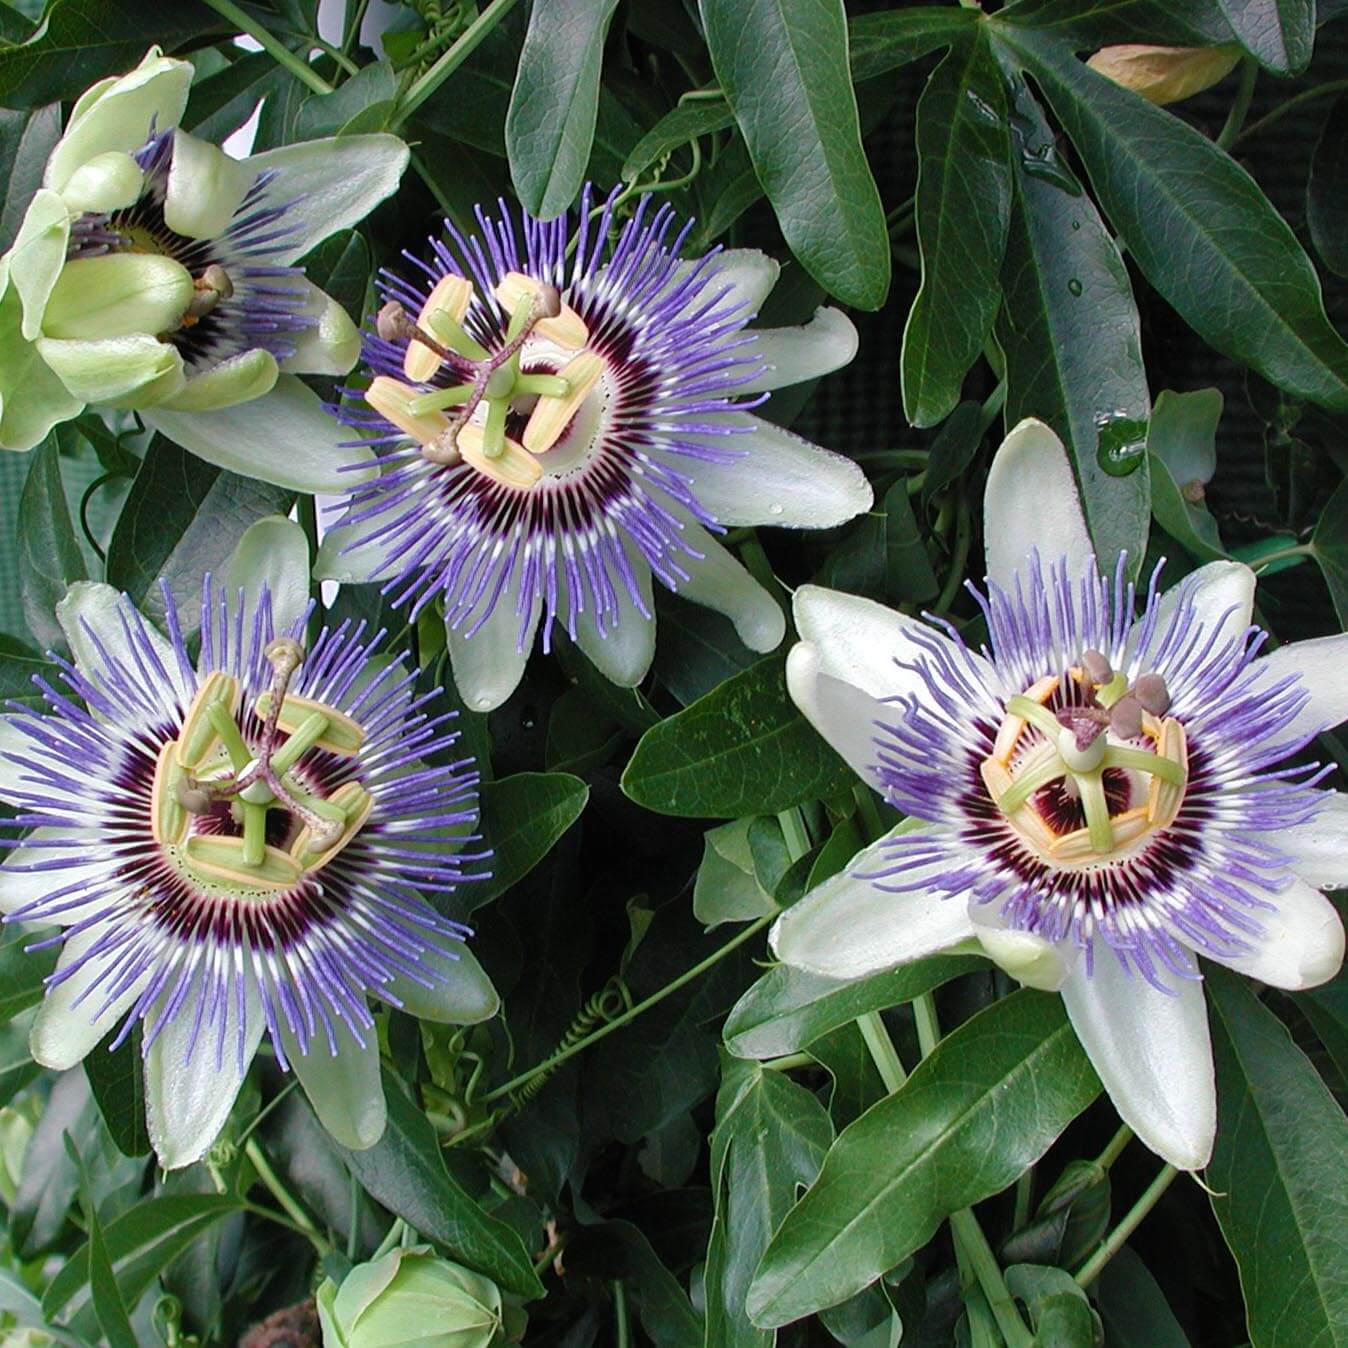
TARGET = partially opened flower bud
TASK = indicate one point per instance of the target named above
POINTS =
(1165, 74)
(411, 1296)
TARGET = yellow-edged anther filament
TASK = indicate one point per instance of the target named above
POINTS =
(1077, 744)
(211, 768)
(467, 422)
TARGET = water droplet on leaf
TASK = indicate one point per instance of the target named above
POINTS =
(1122, 443)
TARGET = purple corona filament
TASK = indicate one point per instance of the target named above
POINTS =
(612, 491)
(1200, 878)
(152, 938)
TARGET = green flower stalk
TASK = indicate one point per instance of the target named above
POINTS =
(411, 1299)
(154, 272)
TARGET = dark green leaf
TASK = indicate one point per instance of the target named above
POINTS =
(1326, 1008)
(783, 67)
(184, 517)
(107, 1297)
(522, 817)
(1071, 334)
(770, 1136)
(963, 202)
(140, 1244)
(1181, 449)
(697, 648)
(880, 43)
(742, 749)
(788, 1009)
(22, 971)
(1329, 547)
(1133, 1308)
(677, 127)
(80, 41)
(1280, 1136)
(1199, 228)
(618, 1249)
(362, 103)
(26, 139)
(1196, 23)
(953, 449)
(49, 555)
(403, 1170)
(729, 188)
(1327, 191)
(1279, 34)
(1061, 1315)
(222, 102)
(985, 1105)
(117, 1079)
(550, 125)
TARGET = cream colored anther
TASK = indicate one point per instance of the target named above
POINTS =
(566, 329)
(452, 295)
(514, 466)
(391, 398)
(551, 416)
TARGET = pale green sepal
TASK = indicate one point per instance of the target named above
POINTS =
(332, 345)
(32, 398)
(285, 437)
(116, 295)
(332, 183)
(273, 553)
(117, 114)
(38, 255)
(462, 993)
(132, 371)
(107, 182)
(205, 187)
(239, 379)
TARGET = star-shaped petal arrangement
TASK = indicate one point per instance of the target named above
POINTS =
(559, 413)
(237, 845)
(1098, 800)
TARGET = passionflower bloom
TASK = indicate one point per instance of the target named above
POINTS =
(554, 406)
(234, 846)
(1095, 800)
(152, 271)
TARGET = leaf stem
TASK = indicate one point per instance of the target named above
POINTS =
(1235, 119)
(1024, 1198)
(1267, 120)
(1132, 1219)
(273, 46)
(882, 1050)
(282, 1195)
(461, 49)
(959, 555)
(627, 1017)
(1114, 1150)
(788, 1061)
(971, 1245)
(622, 1332)
(1261, 564)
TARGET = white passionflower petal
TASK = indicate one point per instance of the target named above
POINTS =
(621, 643)
(285, 437)
(342, 1082)
(205, 187)
(716, 579)
(240, 834)
(775, 477)
(849, 926)
(793, 355)
(1110, 793)
(488, 662)
(1152, 1051)
(271, 558)
(1032, 505)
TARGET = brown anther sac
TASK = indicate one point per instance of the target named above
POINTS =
(1151, 693)
(393, 325)
(1097, 667)
(547, 301)
(1087, 724)
(1125, 718)
(201, 304)
(193, 799)
(216, 278)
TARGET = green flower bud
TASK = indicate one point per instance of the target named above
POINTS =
(411, 1299)
(116, 296)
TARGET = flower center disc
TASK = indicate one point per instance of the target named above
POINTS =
(243, 818)
(1045, 780)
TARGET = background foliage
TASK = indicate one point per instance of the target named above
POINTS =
(1014, 235)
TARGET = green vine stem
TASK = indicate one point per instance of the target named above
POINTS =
(273, 46)
(463, 47)
(1132, 1219)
